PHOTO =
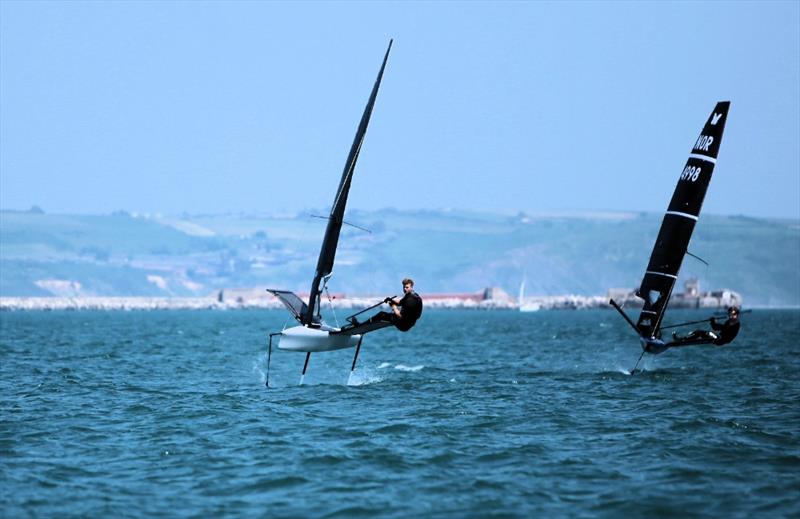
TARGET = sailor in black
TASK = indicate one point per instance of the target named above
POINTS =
(405, 312)
(722, 333)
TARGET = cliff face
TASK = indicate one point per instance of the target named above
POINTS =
(444, 251)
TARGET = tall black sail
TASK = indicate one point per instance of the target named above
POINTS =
(679, 221)
(327, 253)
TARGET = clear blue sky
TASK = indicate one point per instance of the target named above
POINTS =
(165, 107)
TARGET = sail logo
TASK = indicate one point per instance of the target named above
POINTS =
(691, 173)
(703, 142)
(715, 119)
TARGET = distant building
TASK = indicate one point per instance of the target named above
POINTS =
(497, 295)
(691, 297)
(489, 297)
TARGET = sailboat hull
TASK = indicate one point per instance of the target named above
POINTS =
(302, 338)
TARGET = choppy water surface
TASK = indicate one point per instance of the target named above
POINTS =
(470, 414)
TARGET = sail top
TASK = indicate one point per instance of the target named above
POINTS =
(327, 253)
(679, 222)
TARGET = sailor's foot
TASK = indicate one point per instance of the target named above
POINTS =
(354, 321)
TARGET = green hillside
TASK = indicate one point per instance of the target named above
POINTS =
(444, 251)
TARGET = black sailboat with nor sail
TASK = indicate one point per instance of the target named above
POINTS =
(676, 231)
(312, 334)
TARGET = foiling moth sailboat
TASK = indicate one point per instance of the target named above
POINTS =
(676, 230)
(312, 334)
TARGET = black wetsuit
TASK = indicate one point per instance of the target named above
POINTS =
(410, 310)
(727, 331)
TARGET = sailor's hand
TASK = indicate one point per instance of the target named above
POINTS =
(388, 300)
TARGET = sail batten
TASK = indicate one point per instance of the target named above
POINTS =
(703, 157)
(327, 253)
(678, 223)
(684, 215)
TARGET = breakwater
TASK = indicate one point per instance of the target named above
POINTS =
(474, 302)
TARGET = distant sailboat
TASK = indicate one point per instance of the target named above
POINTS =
(676, 230)
(526, 306)
(313, 334)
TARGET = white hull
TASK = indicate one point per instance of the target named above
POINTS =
(302, 338)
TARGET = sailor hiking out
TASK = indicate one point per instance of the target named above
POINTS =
(404, 314)
(723, 333)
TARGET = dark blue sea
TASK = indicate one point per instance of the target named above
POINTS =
(471, 414)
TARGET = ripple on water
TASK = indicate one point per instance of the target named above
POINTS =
(164, 413)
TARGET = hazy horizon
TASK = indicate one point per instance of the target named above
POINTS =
(313, 212)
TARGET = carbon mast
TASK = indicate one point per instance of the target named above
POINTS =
(327, 252)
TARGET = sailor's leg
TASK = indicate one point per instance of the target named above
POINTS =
(305, 366)
(355, 358)
(693, 339)
(381, 317)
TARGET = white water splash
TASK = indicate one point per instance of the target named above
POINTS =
(643, 366)
(362, 378)
(384, 365)
(258, 367)
(403, 367)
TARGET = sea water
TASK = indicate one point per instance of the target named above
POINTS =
(471, 413)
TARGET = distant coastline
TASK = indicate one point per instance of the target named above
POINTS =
(194, 256)
(478, 301)
(214, 303)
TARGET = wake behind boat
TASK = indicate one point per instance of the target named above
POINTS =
(672, 243)
(312, 334)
